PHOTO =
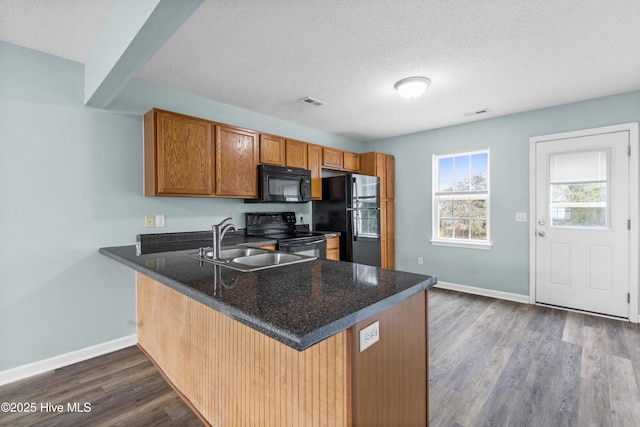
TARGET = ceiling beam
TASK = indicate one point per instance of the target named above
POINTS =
(135, 31)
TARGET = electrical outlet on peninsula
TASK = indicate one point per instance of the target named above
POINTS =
(369, 335)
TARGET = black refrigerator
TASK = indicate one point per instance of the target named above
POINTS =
(351, 205)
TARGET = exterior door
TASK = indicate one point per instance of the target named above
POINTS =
(581, 222)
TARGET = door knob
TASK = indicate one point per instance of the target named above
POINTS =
(541, 233)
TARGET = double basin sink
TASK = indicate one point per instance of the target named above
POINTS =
(250, 259)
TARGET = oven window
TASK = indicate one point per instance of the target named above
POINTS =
(318, 250)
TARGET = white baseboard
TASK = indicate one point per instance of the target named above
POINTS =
(499, 295)
(56, 362)
(484, 292)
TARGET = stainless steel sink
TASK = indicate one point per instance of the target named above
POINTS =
(250, 259)
(236, 252)
(270, 258)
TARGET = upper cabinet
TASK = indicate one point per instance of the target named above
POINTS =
(272, 150)
(237, 155)
(187, 156)
(314, 164)
(383, 166)
(296, 154)
(333, 158)
(275, 150)
(192, 157)
(178, 155)
(351, 161)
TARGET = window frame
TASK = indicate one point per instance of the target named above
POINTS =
(436, 196)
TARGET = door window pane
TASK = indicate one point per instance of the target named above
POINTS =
(578, 189)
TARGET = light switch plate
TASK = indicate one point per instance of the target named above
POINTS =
(521, 217)
(369, 335)
(159, 220)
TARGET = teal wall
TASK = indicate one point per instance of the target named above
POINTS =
(506, 266)
(71, 181)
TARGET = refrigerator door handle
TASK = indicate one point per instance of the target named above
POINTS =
(354, 226)
(355, 192)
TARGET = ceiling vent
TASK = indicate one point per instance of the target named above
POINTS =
(475, 113)
(312, 101)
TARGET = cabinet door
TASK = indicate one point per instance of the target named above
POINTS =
(178, 155)
(351, 161)
(296, 154)
(390, 219)
(380, 162)
(332, 158)
(390, 174)
(388, 234)
(314, 163)
(236, 162)
(383, 235)
(272, 150)
(333, 248)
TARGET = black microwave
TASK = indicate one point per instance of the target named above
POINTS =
(278, 184)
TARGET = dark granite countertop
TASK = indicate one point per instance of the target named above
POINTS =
(298, 305)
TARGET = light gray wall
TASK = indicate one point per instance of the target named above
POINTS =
(71, 181)
(506, 266)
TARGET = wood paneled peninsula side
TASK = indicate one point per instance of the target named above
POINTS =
(282, 346)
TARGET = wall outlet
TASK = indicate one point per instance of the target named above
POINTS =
(159, 220)
(149, 221)
(420, 260)
(369, 335)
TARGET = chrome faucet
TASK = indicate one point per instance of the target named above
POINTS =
(218, 233)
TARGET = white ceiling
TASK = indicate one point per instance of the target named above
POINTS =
(505, 55)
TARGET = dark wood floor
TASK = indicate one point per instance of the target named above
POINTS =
(491, 363)
(498, 363)
(123, 389)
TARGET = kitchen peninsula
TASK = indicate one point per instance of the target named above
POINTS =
(283, 346)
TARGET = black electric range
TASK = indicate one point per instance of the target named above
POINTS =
(281, 226)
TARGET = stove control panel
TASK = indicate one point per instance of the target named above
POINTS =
(265, 222)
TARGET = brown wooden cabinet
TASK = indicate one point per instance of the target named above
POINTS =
(388, 234)
(390, 176)
(314, 163)
(383, 166)
(237, 155)
(332, 158)
(187, 156)
(296, 154)
(272, 150)
(333, 248)
(178, 155)
(267, 247)
(351, 161)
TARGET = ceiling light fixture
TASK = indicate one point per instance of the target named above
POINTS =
(412, 87)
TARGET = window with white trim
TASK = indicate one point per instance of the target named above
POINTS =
(461, 199)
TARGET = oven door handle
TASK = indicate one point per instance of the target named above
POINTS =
(315, 242)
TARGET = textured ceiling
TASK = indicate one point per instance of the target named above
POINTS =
(505, 56)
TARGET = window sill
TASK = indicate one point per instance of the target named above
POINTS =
(466, 245)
